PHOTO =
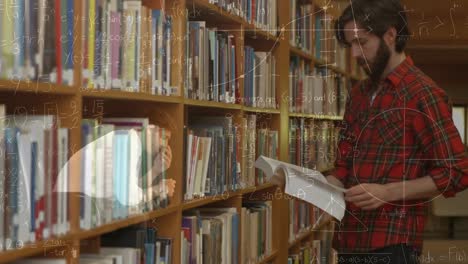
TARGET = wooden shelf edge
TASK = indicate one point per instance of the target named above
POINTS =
(214, 10)
(211, 104)
(303, 54)
(31, 249)
(300, 237)
(322, 224)
(269, 258)
(36, 87)
(131, 220)
(305, 234)
(260, 110)
(197, 202)
(253, 32)
(257, 188)
(125, 95)
(314, 116)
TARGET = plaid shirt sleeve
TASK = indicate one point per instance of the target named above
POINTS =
(346, 141)
(442, 145)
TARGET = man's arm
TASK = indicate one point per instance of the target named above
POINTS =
(369, 196)
(414, 189)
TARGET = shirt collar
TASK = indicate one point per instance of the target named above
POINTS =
(400, 71)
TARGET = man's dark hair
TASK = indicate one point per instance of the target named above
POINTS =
(376, 16)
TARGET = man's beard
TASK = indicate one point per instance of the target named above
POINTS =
(376, 69)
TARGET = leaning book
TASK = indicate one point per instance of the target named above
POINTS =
(307, 184)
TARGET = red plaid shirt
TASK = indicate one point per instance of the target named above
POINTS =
(407, 133)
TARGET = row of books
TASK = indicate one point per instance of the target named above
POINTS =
(126, 46)
(312, 32)
(256, 231)
(261, 13)
(138, 244)
(34, 179)
(123, 170)
(256, 142)
(302, 34)
(210, 235)
(302, 217)
(316, 91)
(211, 64)
(324, 37)
(212, 157)
(259, 79)
(267, 145)
(249, 143)
(37, 40)
(315, 252)
(220, 154)
(312, 143)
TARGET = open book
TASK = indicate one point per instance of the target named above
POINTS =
(308, 185)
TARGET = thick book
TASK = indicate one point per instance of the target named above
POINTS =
(307, 184)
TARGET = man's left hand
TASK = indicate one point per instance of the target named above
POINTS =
(368, 196)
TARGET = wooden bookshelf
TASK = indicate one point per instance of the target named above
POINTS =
(173, 112)
(301, 53)
(20, 86)
(313, 116)
(40, 247)
(269, 258)
(129, 96)
(131, 220)
(260, 110)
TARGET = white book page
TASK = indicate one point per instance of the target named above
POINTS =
(308, 185)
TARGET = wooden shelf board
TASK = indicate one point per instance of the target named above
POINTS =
(303, 235)
(197, 202)
(339, 70)
(36, 87)
(269, 258)
(133, 96)
(211, 12)
(303, 54)
(260, 110)
(314, 116)
(203, 103)
(307, 233)
(319, 62)
(257, 188)
(32, 249)
(251, 31)
(131, 220)
(321, 225)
